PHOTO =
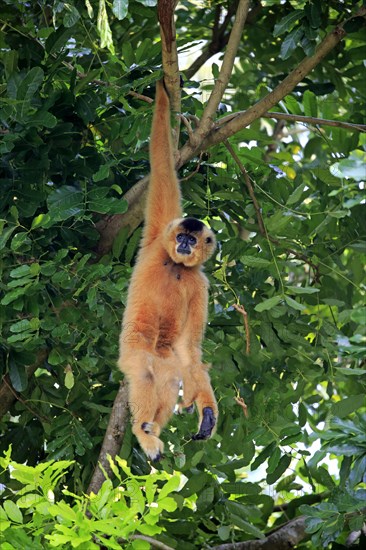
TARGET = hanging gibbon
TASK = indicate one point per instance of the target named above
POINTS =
(166, 312)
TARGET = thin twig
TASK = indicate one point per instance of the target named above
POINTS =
(6, 381)
(141, 97)
(242, 310)
(153, 542)
(194, 171)
(258, 211)
(240, 401)
(298, 118)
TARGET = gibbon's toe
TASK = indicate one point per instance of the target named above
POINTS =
(152, 446)
(207, 424)
(185, 410)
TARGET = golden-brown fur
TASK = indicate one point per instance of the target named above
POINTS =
(166, 313)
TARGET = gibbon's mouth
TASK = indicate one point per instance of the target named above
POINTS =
(183, 251)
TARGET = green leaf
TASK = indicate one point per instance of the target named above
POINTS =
(247, 527)
(290, 43)
(5, 235)
(18, 376)
(346, 406)
(12, 511)
(120, 8)
(64, 203)
(103, 27)
(269, 303)
(170, 486)
(29, 84)
(302, 289)
(310, 104)
(69, 378)
(40, 221)
(273, 460)
(295, 305)
(20, 271)
(71, 16)
(282, 466)
(58, 40)
(286, 23)
(254, 261)
(296, 195)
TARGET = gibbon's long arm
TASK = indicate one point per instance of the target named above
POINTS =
(164, 199)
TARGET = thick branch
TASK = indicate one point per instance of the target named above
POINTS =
(113, 438)
(218, 135)
(169, 51)
(110, 226)
(284, 538)
(225, 72)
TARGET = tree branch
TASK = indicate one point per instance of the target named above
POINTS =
(219, 35)
(169, 52)
(224, 75)
(285, 537)
(155, 543)
(113, 438)
(218, 135)
(299, 118)
(110, 226)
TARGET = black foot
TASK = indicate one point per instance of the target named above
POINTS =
(157, 458)
(207, 424)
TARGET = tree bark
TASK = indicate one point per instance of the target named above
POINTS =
(285, 537)
(113, 438)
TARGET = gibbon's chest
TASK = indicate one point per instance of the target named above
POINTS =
(168, 286)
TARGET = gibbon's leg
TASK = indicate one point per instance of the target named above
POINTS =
(143, 399)
(168, 378)
(197, 388)
(196, 381)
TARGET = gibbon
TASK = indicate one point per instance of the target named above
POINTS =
(166, 312)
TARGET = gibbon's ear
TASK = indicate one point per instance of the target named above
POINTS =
(189, 241)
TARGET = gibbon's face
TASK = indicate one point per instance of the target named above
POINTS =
(189, 242)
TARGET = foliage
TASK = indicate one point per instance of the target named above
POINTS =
(41, 518)
(73, 140)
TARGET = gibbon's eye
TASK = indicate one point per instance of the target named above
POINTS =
(180, 237)
(192, 240)
(208, 240)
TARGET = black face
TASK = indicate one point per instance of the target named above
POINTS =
(185, 241)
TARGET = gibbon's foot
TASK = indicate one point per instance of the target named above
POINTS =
(151, 445)
(207, 424)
